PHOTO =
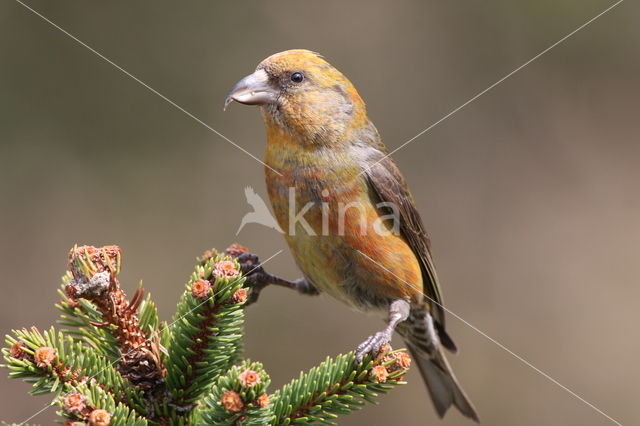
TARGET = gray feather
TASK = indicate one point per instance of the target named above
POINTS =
(443, 386)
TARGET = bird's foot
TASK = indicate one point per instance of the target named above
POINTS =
(250, 265)
(252, 270)
(258, 278)
(373, 344)
(398, 311)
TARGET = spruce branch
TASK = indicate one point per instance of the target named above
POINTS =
(206, 331)
(56, 363)
(338, 386)
(92, 405)
(238, 397)
(110, 366)
(94, 274)
(84, 322)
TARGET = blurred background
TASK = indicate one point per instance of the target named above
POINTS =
(530, 192)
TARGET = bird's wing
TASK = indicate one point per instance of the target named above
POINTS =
(389, 185)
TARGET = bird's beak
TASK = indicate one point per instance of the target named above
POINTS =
(254, 89)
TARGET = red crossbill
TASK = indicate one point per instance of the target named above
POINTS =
(349, 218)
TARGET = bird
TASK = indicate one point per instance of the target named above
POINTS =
(347, 213)
(260, 213)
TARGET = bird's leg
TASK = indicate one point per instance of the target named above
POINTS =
(259, 278)
(398, 312)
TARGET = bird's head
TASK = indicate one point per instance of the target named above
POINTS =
(302, 94)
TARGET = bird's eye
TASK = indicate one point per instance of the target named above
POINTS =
(297, 77)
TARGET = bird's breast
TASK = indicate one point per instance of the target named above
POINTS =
(310, 179)
(324, 206)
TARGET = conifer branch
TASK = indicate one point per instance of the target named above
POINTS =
(94, 273)
(118, 364)
(55, 363)
(238, 397)
(338, 386)
(206, 330)
(92, 405)
(84, 322)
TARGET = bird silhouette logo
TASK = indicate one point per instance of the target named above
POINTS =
(260, 214)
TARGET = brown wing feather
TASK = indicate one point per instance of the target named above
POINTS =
(389, 185)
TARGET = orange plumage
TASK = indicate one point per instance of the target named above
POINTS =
(327, 175)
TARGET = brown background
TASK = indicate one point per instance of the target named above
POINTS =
(530, 192)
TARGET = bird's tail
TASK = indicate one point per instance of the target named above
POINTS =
(436, 372)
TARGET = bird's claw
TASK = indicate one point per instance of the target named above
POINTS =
(258, 278)
(254, 273)
(249, 264)
(372, 344)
